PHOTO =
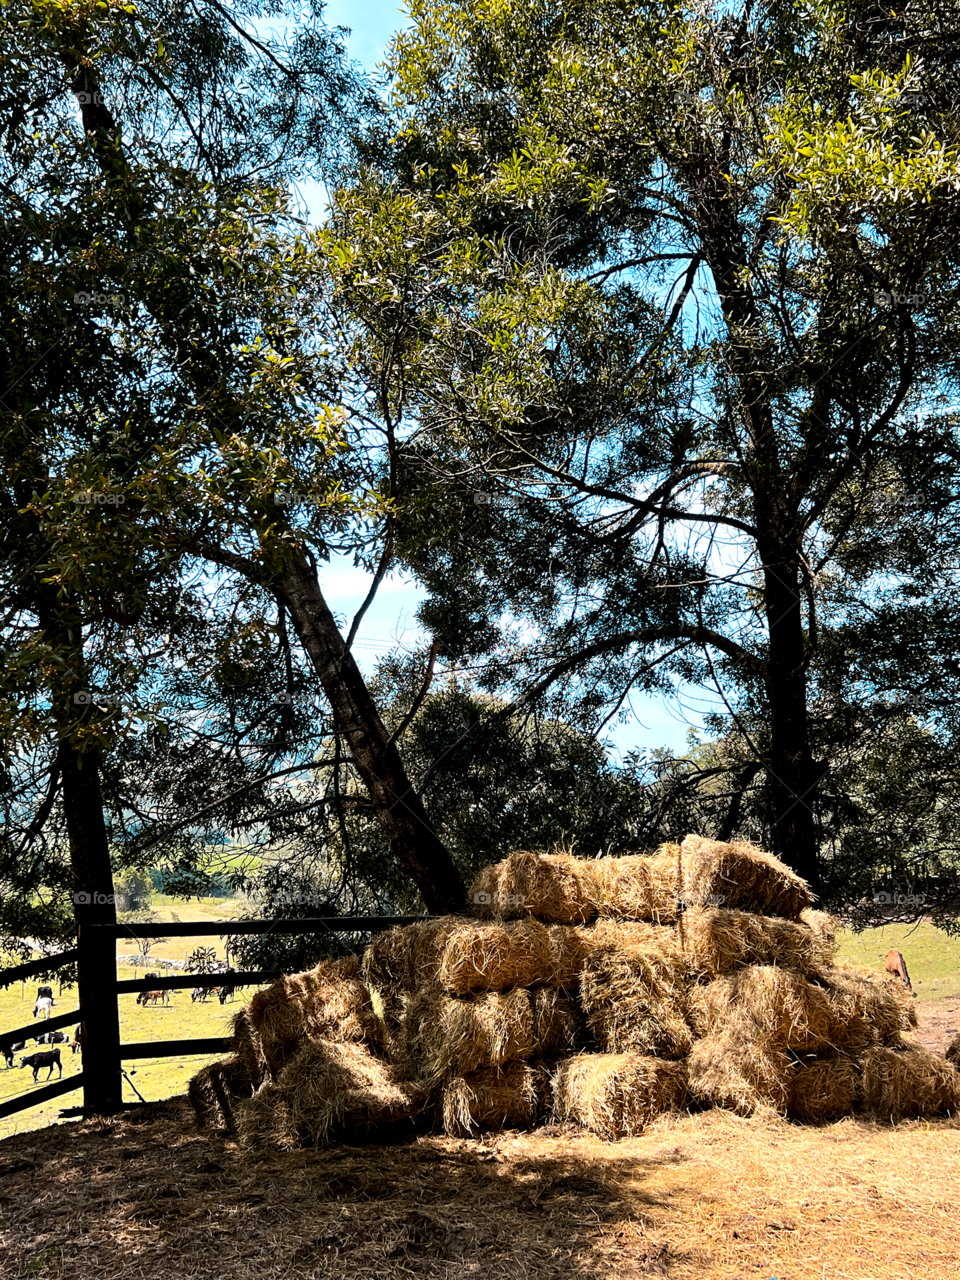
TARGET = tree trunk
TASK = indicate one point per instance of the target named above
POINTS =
(413, 840)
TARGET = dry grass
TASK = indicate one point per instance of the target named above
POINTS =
(872, 1007)
(616, 1095)
(769, 1002)
(507, 1097)
(553, 887)
(743, 876)
(908, 1082)
(449, 1034)
(953, 1051)
(717, 940)
(708, 1196)
(570, 947)
(635, 1000)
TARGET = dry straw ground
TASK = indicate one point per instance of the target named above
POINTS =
(706, 1197)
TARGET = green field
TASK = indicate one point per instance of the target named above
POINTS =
(932, 958)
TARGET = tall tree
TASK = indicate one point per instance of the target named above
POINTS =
(667, 291)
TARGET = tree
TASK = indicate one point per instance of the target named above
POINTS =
(670, 290)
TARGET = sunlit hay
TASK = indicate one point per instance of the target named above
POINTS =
(953, 1051)
(740, 875)
(873, 1009)
(496, 1098)
(444, 1035)
(770, 1002)
(616, 1095)
(389, 1007)
(321, 1003)
(342, 1090)
(387, 961)
(246, 1045)
(635, 1000)
(741, 1071)
(571, 946)
(491, 957)
(264, 1122)
(203, 1098)
(825, 926)
(559, 1026)
(718, 940)
(554, 887)
(898, 1083)
(637, 887)
(824, 1087)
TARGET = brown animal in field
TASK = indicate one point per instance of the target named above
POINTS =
(895, 963)
(153, 997)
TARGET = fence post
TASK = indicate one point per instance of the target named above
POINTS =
(100, 1017)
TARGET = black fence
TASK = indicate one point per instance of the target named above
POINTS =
(103, 1054)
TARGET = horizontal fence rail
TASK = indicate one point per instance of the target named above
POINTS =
(220, 928)
(29, 968)
(239, 978)
(34, 1029)
(43, 1093)
(171, 1048)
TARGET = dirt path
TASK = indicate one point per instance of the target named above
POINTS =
(939, 1022)
(705, 1197)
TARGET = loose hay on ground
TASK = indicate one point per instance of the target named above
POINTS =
(556, 888)
(718, 940)
(824, 1087)
(264, 1122)
(504, 1097)
(898, 1083)
(743, 876)
(635, 1000)
(616, 1095)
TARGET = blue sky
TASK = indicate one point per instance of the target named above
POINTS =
(390, 619)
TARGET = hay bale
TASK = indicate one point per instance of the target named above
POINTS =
(825, 926)
(215, 1091)
(264, 1122)
(637, 886)
(334, 1090)
(740, 875)
(457, 1035)
(872, 1008)
(770, 1002)
(504, 1097)
(387, 960)
(552, 887)
(824, 1087)
(635, 1000)
(328, 1002)
(616, 1095)
(487, 957)
(953, 1051)
(718, 940)
(898, 1083)
(741, 1071)
(247, 1047)
(570, 946)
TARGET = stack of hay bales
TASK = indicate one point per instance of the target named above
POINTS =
(600, 991)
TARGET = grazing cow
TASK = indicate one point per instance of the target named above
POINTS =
(44, 1005)
(51, 1059)
(153, 997)
(8, 1049)
(53, 1037)
(199, 993)
(44, 993)
(895, 963)
(77, 1041)
(222, 993)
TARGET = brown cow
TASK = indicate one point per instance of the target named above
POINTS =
(895, 963)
